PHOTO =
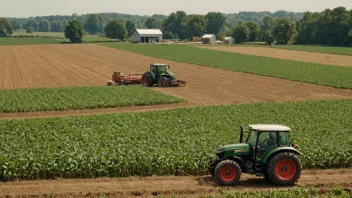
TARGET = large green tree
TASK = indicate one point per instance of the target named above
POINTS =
(176, 23)
(6, 28)
(44, 26)
(254, 31)
(265, 28)
(284, 30)
(116, 29)
(196, 25)
(93, 24)
(308, 28)
(215, 22)
(152, 23)
(240, 33)
(74, 31)
(168, 24)
(130, 26)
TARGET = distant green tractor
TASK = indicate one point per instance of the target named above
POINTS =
(159, 75)
(267, 152)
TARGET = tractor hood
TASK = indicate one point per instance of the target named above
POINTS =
(233, 150)
(234, 147)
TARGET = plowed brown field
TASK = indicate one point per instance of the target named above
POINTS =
(92, 65)
(152, 186)
(310, 57)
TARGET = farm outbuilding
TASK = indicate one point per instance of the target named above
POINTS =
(147, 36)
(208, 38)
(229, 40)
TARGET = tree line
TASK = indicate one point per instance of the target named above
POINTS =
(57, 23)
(331, 27)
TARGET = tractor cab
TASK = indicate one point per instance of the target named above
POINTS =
(158, 69)
(266, 152)
(264, 138)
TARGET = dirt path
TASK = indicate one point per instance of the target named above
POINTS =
(151, 186)
(311, 57)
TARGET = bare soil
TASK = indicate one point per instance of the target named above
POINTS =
(311, 57)
(152, 186)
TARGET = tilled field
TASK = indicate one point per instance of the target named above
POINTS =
(164, 186)
(92, 65)
(310, 57)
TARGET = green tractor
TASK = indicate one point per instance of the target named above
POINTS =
(159, 75)
(267, 152)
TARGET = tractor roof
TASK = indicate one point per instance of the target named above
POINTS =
(158, 64)
(269, 127)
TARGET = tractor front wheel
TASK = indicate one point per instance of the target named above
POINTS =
(284, 168)
(163, 82)
(147, 80)
(227, 173)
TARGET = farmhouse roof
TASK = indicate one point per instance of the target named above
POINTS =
(208, 35)
(228, 38)
(269, 127)
(149, 31)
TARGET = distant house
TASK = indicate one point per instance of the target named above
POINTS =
(229, 40)
(208, 38)
(147, 36)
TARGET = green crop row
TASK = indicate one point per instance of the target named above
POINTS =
(339, 77)
(172, 142)
(46, 99)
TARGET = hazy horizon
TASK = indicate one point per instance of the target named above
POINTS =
(25, 8)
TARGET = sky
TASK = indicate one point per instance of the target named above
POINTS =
(28, 8)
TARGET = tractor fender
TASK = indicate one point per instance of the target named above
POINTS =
(236, 159)
(277, 150)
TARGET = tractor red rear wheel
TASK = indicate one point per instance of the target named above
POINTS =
(284, 168)
(227, 173)
(147, 80)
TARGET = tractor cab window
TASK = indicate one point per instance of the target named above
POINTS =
(267, 140)
(153, 69)
(161, 70)
(252, 138)
(284, 139)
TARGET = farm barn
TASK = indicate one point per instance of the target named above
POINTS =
(147, 36)
(208, 38)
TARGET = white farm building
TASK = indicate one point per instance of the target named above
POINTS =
(208, 38)
(147, 36)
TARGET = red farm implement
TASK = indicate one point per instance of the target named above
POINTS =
(119, 78)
